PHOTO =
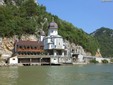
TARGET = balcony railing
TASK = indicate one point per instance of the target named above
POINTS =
(30, 50)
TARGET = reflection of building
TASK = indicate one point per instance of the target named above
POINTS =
(9, 76)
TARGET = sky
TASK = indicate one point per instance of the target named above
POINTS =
(88, 15)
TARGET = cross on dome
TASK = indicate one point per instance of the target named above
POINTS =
(53, 24)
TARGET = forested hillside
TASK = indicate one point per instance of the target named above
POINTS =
(105, 39)
(26, 16)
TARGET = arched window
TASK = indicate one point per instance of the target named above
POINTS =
(27, 53)
(35, 47)
(20, 47)
(31, 47)
(34, 53)
(27, 47)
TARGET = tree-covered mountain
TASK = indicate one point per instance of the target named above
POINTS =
(105, 39)
(25, 17)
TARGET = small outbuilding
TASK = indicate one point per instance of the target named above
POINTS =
(13, 60)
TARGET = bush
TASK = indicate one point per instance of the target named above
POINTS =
(111, 60)
(93, 61)
(104, 61)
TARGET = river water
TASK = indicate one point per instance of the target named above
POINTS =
(91, 74)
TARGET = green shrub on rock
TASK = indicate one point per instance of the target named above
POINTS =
(93, 61)
(104, 61)
(111, 60)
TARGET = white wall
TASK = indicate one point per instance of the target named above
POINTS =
(13, 60)
(65, 60)
(53, 31)
(42, 38)
(80, 58)
(54, 60)
(53, 42)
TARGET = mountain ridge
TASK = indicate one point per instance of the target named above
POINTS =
(104, 36)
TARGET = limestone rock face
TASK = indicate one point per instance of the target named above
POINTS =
(1, 2)
(76, 49)
(14, 2)
(7, 44)
(98, 54)
(29, 37)
(6, 47)
(88, 54)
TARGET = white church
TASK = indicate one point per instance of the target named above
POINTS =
(54, 45)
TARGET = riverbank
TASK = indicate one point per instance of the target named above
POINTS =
(8, 65)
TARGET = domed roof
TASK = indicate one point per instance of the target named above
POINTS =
(53, 25)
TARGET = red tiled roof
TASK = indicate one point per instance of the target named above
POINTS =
(29, 43)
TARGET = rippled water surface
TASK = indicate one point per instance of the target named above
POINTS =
(93, 74)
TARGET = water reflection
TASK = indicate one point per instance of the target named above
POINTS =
(57, 75)
(65, 75)
(33, 75)
(81, 75)
(8, 75)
